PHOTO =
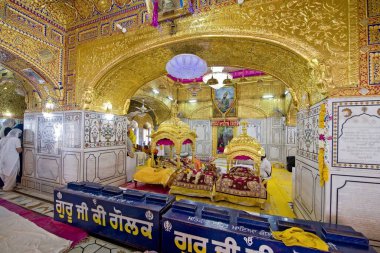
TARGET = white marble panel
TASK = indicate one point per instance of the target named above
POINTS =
(121, 162)
(357, 204)
(307, 189)
(29, 129)
(90, 161)
(291, 151)
(99, 131)
(48, 168)
(204, 136)
(276, 136)
(291, 135)
(318, 200)
(49, 134)
(71, 167)
(29, 162)
(274, 153)
(107, 164)
(309, 196)
(72, 127)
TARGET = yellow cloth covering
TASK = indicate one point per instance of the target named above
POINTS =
(298, 237)
(149, 175)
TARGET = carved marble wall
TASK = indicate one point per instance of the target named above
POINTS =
(270, 132)
(308, 196)
(204, 137)
(354, 165)
(351, 194)
(291, 141)
(73, 146)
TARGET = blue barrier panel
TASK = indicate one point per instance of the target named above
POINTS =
(129, 217)
(200, 228)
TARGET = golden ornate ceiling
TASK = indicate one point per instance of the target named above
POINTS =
(67, 12)
(309, 45)
(160, 111)
(15, 93)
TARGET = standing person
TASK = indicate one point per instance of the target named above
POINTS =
(10, 147)
(7, 123)
(265, 168)
(5, 133)
(21, 127)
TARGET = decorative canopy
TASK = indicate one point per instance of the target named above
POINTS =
(176, 131)
(244, 147)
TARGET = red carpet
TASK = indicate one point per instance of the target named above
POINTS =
(146, 187)
(59, 229)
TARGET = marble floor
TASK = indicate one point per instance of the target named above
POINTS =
(89, 245)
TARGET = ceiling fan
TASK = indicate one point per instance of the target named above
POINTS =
(141, 111)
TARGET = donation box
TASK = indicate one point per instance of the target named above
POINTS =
(130, 217)
(200, 228)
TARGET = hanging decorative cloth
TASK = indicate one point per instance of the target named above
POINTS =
(155, 14)
(323, 169)
(191, 8)
(298, 237)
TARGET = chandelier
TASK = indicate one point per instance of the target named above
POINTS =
(217, 78)
(186, 66)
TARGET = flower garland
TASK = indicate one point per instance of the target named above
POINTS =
(132, 136)
(323, 131)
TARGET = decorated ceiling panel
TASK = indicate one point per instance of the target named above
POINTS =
(312, 56)
(45, 56)
(68, 13)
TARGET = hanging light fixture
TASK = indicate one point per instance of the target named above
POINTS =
(227, 81)
(212, 81)
(217, 78)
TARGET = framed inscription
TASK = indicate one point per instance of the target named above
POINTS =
(356, 134)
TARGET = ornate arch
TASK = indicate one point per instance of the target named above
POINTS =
(297, 53)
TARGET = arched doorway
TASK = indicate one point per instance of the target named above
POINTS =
(118, 82)
(38, 86)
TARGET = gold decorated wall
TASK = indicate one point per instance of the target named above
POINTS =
(314, 56)
(369, 44)
(10, 102)
(250, 103)
(74, 48)
(29, 43)
(86, 30)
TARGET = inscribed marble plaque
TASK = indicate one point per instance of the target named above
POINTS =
(356, 134)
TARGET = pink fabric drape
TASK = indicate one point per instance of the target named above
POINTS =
(155, 14)
(165, 142)
(235, 74)
(187, 141)
(242, 157)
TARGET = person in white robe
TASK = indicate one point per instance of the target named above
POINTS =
(265, 168)
(7, 123)
(10, 147)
